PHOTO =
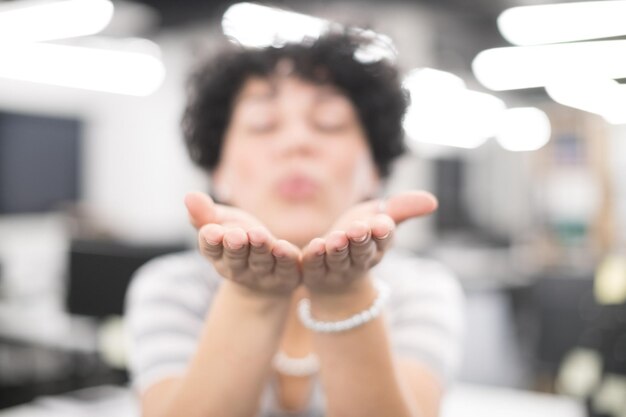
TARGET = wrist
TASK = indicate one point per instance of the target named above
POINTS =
(353, 321)
(333, 306)
(260, 302)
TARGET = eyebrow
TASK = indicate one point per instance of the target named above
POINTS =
(326, 93)
(255, 97)
(331, 91)
(329, 95)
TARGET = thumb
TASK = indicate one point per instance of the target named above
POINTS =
(409, 204)
(201, 208)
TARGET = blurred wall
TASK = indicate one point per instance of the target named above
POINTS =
(617, 137)
(135, 168)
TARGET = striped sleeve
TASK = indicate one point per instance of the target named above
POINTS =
(165, 307)
(426, 315)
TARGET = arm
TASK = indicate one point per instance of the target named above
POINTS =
(225, 359)
(360, 374)
(242, 329)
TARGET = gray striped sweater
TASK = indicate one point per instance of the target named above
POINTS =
(169, 296)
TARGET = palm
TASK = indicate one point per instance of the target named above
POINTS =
(241, 248)
(244, 250)
(358, 240)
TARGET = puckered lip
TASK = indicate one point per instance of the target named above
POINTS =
(297, 186)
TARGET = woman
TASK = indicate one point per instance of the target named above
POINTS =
(297, 141)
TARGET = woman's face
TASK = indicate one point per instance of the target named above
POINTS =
(295, 155)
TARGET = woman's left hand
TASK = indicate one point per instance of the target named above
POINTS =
(358, 241)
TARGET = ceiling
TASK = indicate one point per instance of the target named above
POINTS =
(187, 11)
(463, 29)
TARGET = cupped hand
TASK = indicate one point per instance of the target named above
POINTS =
(358, 240)
(241, 248)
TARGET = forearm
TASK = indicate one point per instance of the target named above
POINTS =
(358, 372)
(227, 374)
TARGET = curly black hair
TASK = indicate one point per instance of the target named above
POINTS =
(374, 88)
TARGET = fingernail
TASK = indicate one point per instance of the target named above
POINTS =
(256, 244)
(385, 236)
(360, 238)
(342, 248)
(234, 246)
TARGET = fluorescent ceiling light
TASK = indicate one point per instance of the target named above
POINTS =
(523, 129)
(536, 66)
(563, 22)
(432, 83)
(120, 72)
(444, 112)
(604, 97)
(256, 26)
(24, 21)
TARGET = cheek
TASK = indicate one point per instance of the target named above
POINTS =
(364, 176)
(252, 182)
(353, 175)
(245, 169)
(250, 154)
(245, 174)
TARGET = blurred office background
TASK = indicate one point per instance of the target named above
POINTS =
(522, 138)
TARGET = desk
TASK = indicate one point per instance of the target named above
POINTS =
(464, 400)
(39, 321)
(44, 351)
(468, 400)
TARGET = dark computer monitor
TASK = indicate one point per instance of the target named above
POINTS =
(100, 271)
(568, 316)
(39, 162)
(452, 213)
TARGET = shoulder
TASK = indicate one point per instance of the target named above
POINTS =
(407, 273)
(189, 263)
(166, 304)
(179, 270)
(421, 286)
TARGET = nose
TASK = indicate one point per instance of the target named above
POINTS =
(297, 137)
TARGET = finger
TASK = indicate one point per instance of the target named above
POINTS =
(358, 232)
(210, 239)
(382, 227)
(286, 256)
(236, 249)
(260, 259)
(409, 204)
(362, 248)
(236, 217)
(201, 208)
(337, 251)
(313, 260)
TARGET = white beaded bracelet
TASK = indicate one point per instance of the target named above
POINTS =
(287, 365)
(358, 319)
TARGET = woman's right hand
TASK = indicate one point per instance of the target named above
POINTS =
(242, 249)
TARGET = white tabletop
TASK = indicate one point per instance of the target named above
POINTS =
(468, 400)
(464, 400)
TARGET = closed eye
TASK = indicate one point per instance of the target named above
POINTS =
(330, 125)
(263, 125)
